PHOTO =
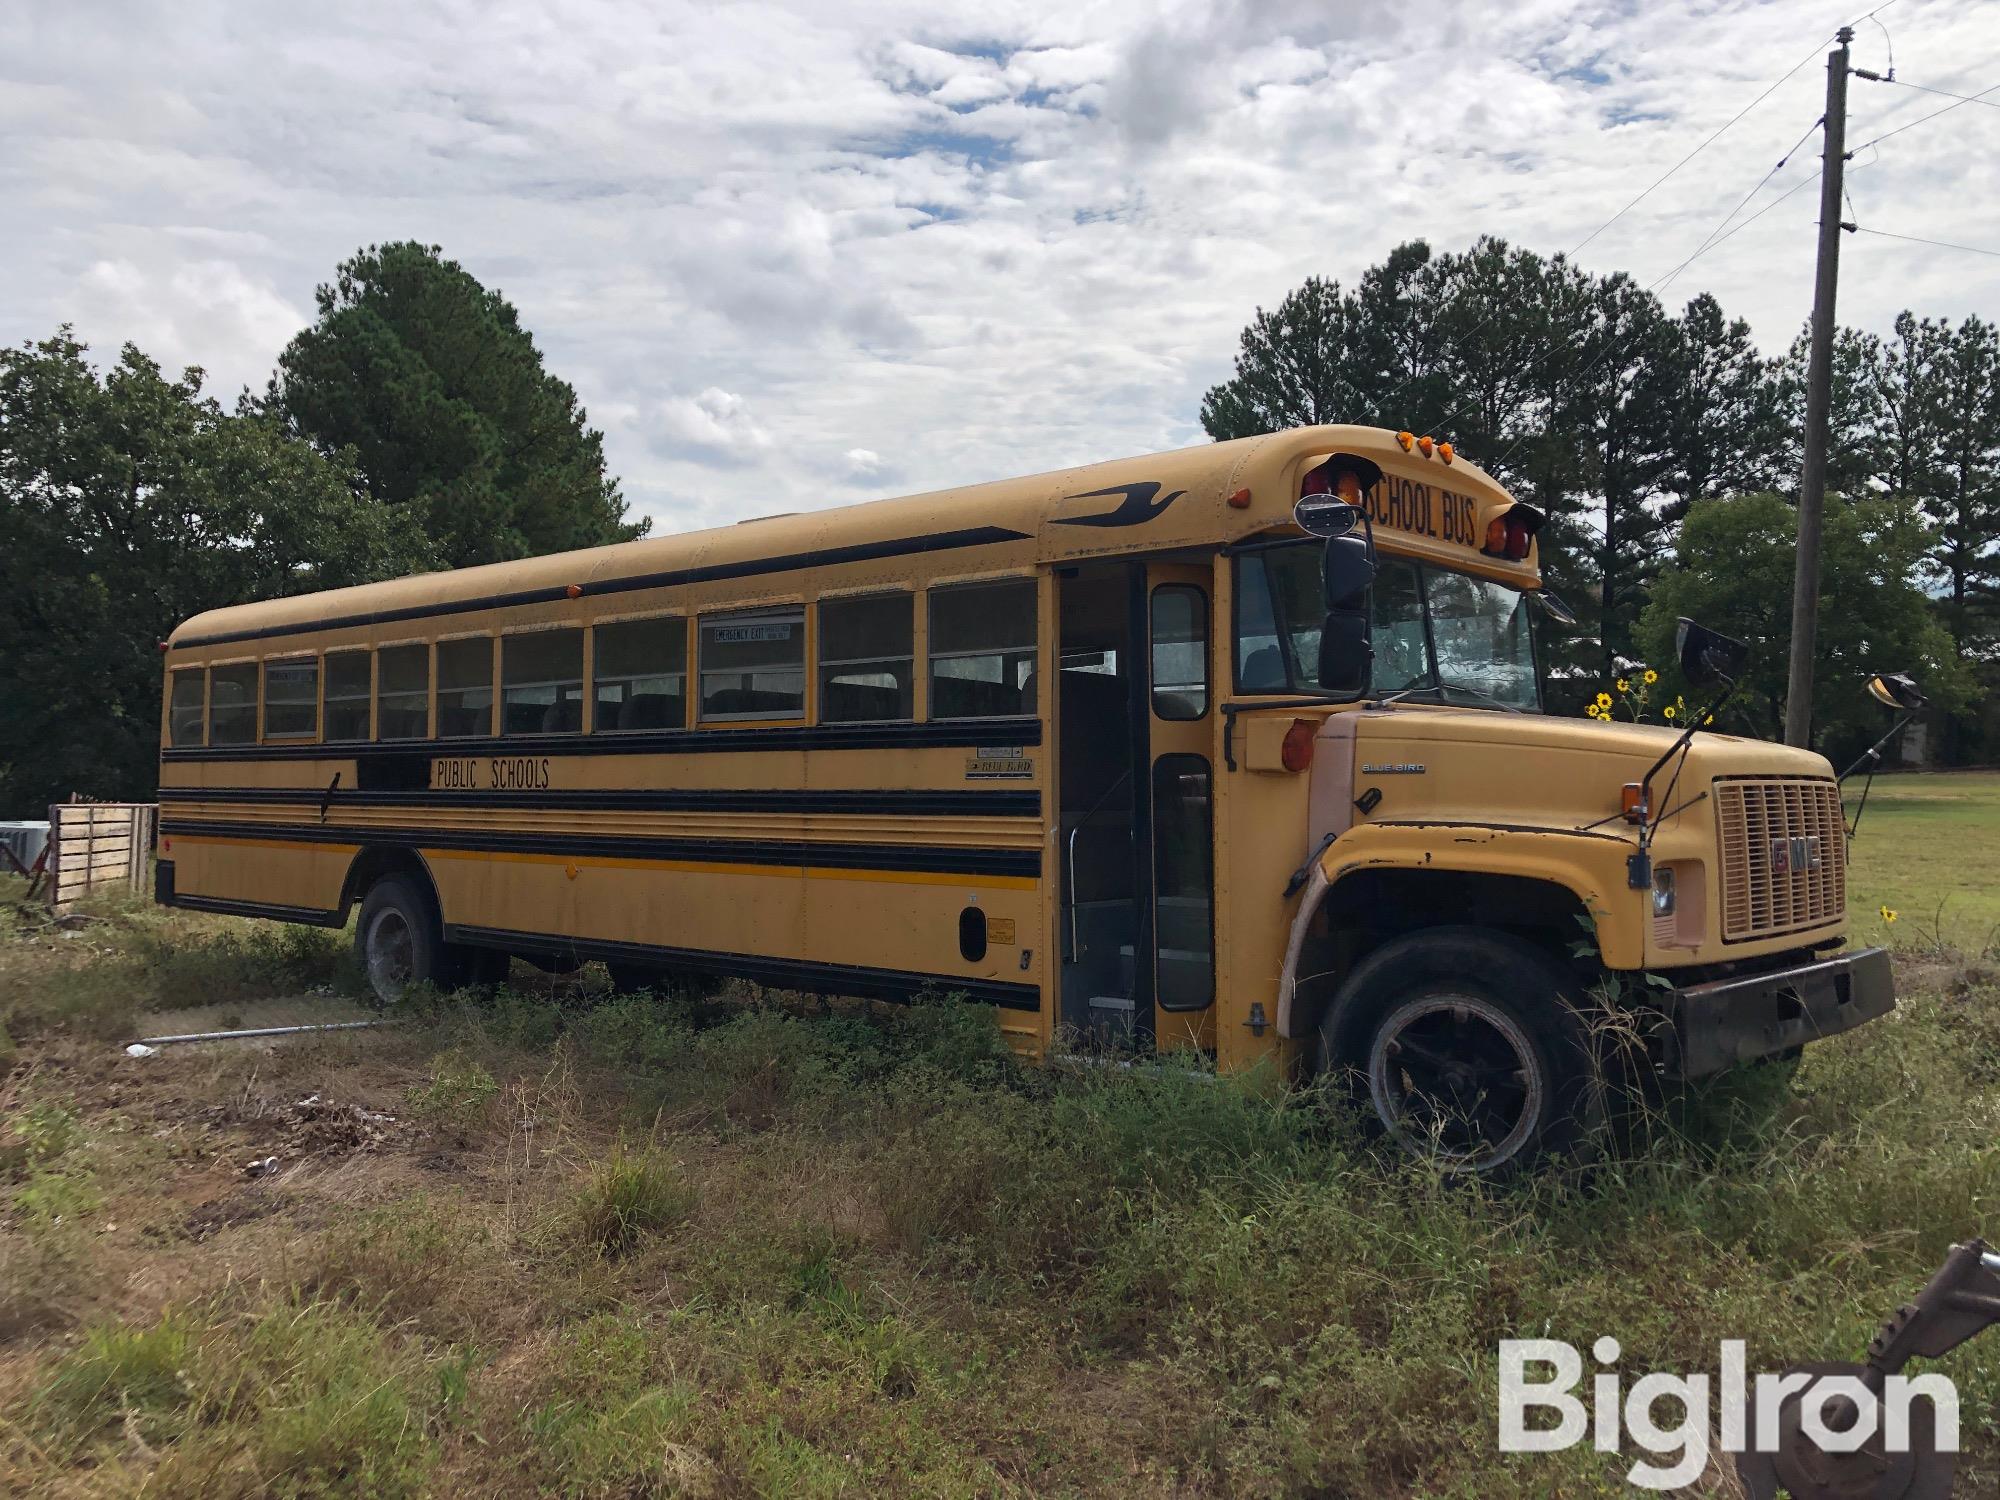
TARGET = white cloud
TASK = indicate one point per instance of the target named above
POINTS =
(764, 240)
(713, 427)
(210, 313)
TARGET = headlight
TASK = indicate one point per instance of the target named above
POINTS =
(1663, 891)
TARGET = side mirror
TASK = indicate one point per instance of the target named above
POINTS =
(1327, 516)
(1346, 638)
(1553, 607)
(1708, 656)
(1896, 690)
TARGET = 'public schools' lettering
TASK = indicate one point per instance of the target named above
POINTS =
(1406, 505)
(508, 774)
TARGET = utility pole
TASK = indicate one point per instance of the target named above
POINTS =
(1819, 401)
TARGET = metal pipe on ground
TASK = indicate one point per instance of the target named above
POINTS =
(257, 1031)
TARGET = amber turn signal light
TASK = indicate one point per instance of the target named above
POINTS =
(1632, 802)
(575, 591)
(1240, 500)
(1296, 753)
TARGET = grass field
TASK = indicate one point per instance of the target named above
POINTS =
(539, 1246)
(1928, 848)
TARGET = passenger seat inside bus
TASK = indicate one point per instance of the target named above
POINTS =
(645, 711)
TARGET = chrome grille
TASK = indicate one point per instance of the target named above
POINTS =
(1784, 856)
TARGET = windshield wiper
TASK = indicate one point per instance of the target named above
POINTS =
(1449, 687)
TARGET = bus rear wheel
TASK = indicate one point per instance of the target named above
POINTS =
(1467, 1052)
(398, 941)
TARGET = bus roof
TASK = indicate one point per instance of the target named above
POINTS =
(1424, 507)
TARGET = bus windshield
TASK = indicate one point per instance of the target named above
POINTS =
(1450, 636)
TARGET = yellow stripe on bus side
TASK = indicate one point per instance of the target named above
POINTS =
(692, 867)
(701, 867)
(235, 843)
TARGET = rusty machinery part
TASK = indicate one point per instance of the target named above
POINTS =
(1808, 1472)
(1959, 1301)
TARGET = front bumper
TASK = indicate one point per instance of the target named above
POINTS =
(1726, 1022)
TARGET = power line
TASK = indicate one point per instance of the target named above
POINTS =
(1903, 83)
(1711, 242)
(1703, 146)
(1963, 100)
(1790, 152)
(1919, 240)
(1715, 236)
(1717, 135)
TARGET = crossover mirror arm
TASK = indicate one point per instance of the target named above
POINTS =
(1894, 690)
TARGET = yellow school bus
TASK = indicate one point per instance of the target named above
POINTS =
(1234, 751)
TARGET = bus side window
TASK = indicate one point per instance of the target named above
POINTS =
(983, 650)
(465, 687)
(1180, 651)
(541, 682)
(867, 650)
(640, 671)
(232, 704)
(403, 692)
(753, 665)
(347, 685)
(185, 705)
(291, 698)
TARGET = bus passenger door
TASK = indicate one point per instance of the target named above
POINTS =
(1100, 787)
(1176, 662)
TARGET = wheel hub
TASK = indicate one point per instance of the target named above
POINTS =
(1456, 1077)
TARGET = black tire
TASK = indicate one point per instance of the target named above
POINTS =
(629, 978)
(478, 967)
(398, 941)
(1466, 1049)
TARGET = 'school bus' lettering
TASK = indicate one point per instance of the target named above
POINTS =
(1407, 505)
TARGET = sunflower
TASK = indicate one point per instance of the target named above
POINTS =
(1623, 686)
(1593, 711)
(1604, 700)
(1651, 677)
(1668, 710)
(1889, 914)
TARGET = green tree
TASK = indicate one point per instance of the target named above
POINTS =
(1727, 433)
(1732, 571)
(129, 501)
(1962, 496)
(432, 382)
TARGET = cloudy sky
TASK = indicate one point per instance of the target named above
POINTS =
(799, 254)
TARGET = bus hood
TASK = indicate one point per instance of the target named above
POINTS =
(1479, 766)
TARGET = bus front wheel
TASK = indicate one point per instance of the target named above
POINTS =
(1467, 1052)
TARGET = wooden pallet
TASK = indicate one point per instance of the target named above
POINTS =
(98, 846)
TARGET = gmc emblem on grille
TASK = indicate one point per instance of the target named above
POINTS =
(1795, 856)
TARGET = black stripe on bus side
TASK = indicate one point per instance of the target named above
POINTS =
(803, 852)
(948, 734)
(909, 546)
(778, 973)
(944, 802)
(310, 915)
